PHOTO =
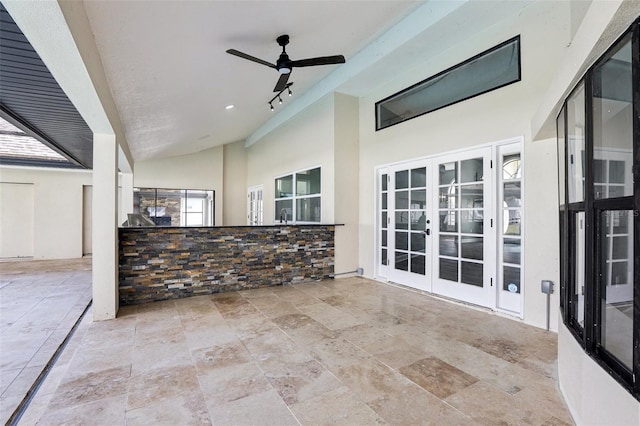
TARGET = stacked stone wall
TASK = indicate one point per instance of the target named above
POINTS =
(169, 263)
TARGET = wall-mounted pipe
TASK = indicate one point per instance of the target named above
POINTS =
(358, 271)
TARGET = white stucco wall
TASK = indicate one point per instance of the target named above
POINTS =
(346, 166)
(57, 209)
(304, 142)
(57, 217)
(593, 397)
(325, 135)
(498, 115)
(235, 184)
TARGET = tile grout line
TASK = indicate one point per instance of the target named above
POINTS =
(24, 404)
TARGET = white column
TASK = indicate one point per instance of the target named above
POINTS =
(105, 227)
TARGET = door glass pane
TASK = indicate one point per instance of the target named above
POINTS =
(449, 173)
(448, 221)
(419, 177)
(418, 242)
(418, 221)
(448, 197)
(449, 269)
(402, 261)
(402, 179)
(512, 194)
(471, 273)
(384, 239)
(417, 264)
(383, 258)
(471, 222)
(575, 144)
(511, 222)
(613, 123)
(418, 199)
(471, 170)
(617, 287)
(402, 200)
(384, 200)
(402, 240)
(472, 247)
(511, 279)
(472, 196)
(511, 250)
(449, 245)
(383, 182)
(511, 167)
(402, 220)
(383, 222)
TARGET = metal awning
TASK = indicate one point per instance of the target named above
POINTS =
(31, 99)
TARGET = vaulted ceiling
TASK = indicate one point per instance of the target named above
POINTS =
(171, 79)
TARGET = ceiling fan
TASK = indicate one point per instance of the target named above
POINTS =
(284, 65)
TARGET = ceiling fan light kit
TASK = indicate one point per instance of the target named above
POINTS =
(284, 65)
(278, 96)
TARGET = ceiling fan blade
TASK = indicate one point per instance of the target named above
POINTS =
(249, 57)
(282, 82)
(323, 60)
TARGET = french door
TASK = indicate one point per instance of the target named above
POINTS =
(255, 205)
(463, 261)
(436, 226)
(408, 230)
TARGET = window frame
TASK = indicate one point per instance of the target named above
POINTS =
(295, 197)
(591, 338)
(449, 70)
(208, 212)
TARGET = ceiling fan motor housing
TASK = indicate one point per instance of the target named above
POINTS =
(283, 65)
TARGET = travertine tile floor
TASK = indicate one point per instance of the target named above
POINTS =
(347, 351)
(39, 303)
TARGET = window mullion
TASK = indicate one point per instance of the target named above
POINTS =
(591, 291)
(635, 70)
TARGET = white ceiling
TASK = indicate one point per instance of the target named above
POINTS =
(171, 78)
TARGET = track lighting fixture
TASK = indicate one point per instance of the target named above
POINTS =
(279, 95)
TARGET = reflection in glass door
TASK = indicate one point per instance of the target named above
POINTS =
(383, 223)
(409, 226)
(255, 206)
(509, 228)
(464, 265)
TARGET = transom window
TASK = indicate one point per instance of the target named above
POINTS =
(490, 70)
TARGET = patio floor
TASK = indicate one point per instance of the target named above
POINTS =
(345, 351)
(40, 301)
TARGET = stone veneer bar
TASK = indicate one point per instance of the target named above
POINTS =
(158, 263)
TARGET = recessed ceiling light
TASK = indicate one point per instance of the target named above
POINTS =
(229, 107)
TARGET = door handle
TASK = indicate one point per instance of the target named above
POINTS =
(427, 231)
